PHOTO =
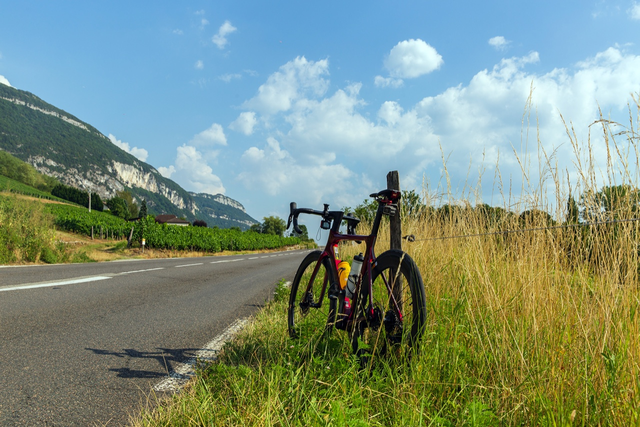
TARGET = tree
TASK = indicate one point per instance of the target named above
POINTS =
(273, 225)
(536, 218)
(256, 228)
(118, 207)
(410, 204)
(366, 211)
(132, 206)
(143, 210)
(198, 223)
(96, 202)
(304, 236)
(573, 214)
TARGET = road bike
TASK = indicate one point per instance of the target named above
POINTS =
(382, 307)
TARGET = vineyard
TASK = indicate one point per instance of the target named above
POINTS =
(16, 187)
(162, 236)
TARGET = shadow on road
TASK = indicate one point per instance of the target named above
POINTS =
(166, 358)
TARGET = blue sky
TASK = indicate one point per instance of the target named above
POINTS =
(314, 102)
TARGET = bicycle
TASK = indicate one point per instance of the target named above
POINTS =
(383, 308)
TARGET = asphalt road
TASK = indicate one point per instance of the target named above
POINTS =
(84, 344)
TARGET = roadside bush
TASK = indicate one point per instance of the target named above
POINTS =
(26, 232)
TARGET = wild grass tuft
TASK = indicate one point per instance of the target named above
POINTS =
(26, 233)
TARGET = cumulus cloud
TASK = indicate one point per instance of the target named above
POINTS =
(4, 81)
(191, 166)
(210, 137)
(412, 58)
(634, 11)
(380, 81)
(292, 82)
(140, 153)
(274, 170)
(245, 123)
(319, 137)
(166, 172)
(192, 172)
(499, 42)
(220, 39)
(178, 32)
(199, 65)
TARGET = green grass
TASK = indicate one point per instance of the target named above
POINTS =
(10, 185)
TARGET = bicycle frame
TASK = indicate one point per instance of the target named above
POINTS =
(336, 237)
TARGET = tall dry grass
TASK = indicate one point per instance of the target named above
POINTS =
(531, 320)
(543, 321)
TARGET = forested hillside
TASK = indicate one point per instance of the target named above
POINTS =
(62, 146)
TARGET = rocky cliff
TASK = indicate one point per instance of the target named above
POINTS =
(60, 145)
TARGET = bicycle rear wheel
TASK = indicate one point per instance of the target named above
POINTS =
(311, 314)
(395, 322)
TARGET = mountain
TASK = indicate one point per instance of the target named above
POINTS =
(77, 154)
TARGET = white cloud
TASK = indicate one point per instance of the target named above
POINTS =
(499, 42)
(380, 81)
(166, 172)
(140, 153)
(210, 137)
(203, 23)
(292, 82)
(325, 138)
(228, 77)
(191, 169)
(178, 32)
(220, 39)
(193, 173)
(412, 58)
(245, 123)
(4, 81)
(199, 65)
(273, 170)
(634, 11)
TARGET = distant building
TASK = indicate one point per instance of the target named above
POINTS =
(171, 220)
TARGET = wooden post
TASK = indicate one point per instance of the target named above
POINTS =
(92, 232)
(395, 227)
(129, 239)
(395, 241)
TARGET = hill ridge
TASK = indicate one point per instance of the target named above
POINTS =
(59, 144)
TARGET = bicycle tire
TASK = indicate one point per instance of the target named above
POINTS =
(374, 334)
(306, 322)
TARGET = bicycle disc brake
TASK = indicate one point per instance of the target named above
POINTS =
(374, 318)
(393, 327)
(305, 303)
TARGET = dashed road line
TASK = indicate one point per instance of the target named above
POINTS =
(188, 265)
(54, 284)
(140, 271)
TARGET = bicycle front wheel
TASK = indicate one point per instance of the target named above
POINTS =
(311, 314)
(393, 324)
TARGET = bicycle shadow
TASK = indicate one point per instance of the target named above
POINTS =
(166, 360)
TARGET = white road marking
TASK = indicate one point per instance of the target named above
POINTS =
(141, 271)
(226, 260)
(52, 284)
(209, 353)
(188, 265)
(255, 257)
